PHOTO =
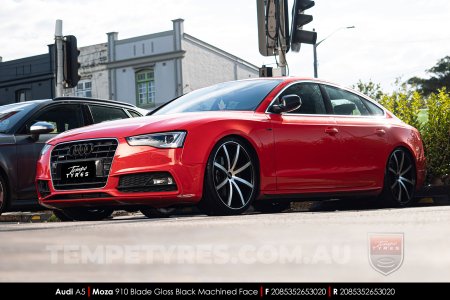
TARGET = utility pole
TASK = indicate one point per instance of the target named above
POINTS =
(315, 45)
(315, 58)
(59, 58)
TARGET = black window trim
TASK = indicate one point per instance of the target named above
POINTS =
(326, 99)
(22, 127)
(109, 106)
(291, 114)
(359, 95)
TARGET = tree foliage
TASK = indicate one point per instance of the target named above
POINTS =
(440, 78)
(371, 89)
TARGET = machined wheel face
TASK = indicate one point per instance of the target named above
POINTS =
(401, 176)
(233, 175)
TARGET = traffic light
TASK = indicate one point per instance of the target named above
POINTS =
(71, 64)
(298, 35)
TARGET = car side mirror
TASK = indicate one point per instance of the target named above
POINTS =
(287, 103)
(39, 128)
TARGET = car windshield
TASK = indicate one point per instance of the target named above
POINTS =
(10, 114)
(243, 95)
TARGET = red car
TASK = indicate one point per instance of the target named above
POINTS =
(263, 141)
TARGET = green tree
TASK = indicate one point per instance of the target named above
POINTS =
(440, 78)
(371, 89)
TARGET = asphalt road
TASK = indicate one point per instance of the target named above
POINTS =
(321, 245)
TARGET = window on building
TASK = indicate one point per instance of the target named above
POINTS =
(23, 95)
(145, 88)
(84, 89)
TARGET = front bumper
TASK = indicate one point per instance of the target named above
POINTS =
(128, 160)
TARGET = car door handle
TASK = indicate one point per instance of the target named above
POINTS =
(331, 130)
(380, 131)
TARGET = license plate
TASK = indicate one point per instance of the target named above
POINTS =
(78, 171)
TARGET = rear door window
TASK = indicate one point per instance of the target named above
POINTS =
(102, 113)
(345, 103)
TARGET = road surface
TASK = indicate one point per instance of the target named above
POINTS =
(321, 245)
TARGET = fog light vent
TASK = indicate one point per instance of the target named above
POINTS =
(147, 182)
(43, 188)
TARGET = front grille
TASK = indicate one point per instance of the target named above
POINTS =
(79, 196)
(143, 182)
(98, 154)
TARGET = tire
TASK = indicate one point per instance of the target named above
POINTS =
(152, 213)
(62, 216)
(268, 207)
(87, 214)
(399, 179)
(231, 178)
(4, 194)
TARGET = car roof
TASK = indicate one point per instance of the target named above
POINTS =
(100, 101)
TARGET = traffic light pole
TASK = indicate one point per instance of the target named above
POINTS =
(59, 58)
(315, 61)
(282, 61)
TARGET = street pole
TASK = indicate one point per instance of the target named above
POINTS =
(59, 58)
(317, 44)
(282, 61)
(315, 59)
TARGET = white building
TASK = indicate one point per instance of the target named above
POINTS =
(93, 71)
(150, 70)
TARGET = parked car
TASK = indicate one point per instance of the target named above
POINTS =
(227, 146)
(26, 126)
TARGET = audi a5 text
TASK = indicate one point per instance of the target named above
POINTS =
(261, 142)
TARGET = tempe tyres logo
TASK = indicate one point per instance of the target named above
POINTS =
(386, 252)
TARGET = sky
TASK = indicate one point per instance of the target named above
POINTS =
(391, 39)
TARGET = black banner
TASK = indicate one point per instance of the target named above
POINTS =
(250, 290)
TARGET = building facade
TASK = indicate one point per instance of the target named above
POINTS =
(93, 73)
(27, 78)
(146, 71)
(150, 70)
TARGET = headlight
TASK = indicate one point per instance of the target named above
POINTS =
(45, 149)
(173, 139)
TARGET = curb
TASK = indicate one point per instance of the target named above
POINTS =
(26, 217)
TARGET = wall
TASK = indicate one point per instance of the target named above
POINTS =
(134, 54)
(204, 65)
(33, 74)
(93, 67)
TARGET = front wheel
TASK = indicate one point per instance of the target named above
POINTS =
(3, 194)
(231, 180)
(87, 214)
(152, 213)
(399, 179)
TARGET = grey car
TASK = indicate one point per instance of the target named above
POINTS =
(26, 126)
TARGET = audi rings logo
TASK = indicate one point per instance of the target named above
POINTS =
(81, 149)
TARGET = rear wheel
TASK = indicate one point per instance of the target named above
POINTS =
(87, 214)
(231, 179)
(3, 194)
(399, 179)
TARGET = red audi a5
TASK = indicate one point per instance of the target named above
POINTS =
(260, 141)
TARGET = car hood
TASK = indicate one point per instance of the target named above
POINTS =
(149, 124)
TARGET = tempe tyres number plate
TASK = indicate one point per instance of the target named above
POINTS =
(78, 171)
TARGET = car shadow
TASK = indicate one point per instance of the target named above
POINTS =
(359, 204)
